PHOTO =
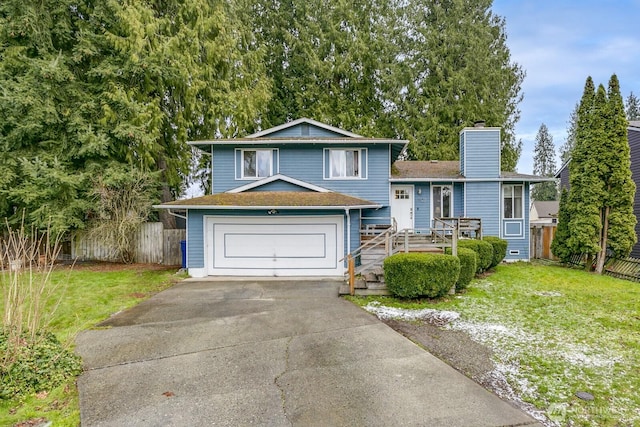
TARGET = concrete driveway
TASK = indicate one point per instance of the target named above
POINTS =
(275, 353)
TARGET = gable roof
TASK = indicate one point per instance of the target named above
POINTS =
(546, 209)
(278, 177)
(297, 200)
(300, 121)
(341, 137)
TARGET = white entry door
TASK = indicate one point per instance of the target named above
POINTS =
(402, 205)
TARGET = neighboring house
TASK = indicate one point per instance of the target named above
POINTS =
(292, 200)
(633, 132)
(544, 212)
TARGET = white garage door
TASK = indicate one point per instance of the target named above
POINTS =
(275, 246)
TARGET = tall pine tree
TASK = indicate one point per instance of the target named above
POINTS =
(632, 107)
(559, 245)
(601, 190)
(616, 209)
(567, 147)
(544, 164)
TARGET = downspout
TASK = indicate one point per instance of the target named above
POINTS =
(346, 211)
(176, 215)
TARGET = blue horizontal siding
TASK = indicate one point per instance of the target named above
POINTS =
(280, 186)
(304, 130)
(422, 206)
(483, 201)
(482, 153)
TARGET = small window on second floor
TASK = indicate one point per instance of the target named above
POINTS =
(257, 163)
(345, 164)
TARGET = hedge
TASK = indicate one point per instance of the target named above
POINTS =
(499, 249)
(468, 266)
(414, 275)
(482, 248)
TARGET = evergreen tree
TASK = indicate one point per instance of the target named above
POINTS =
(417, 70)
(565, 150)
(454, 68)
(616, 209)
(632, 107)
(87, 84)
(544, 164)
(559, 245)
(601, 190)
(328, 61)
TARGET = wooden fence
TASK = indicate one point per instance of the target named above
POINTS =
(540, 241)
(153, 245)
(622, 268)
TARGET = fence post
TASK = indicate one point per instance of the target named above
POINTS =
(454, 243)
(406, 240)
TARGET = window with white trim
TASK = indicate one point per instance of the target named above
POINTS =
(345, 163)
(257, 163)
(512, 201)
(442, 201)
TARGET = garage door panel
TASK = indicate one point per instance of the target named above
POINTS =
(270, 245)
(275, 246)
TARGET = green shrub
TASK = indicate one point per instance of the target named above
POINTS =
(41, 366)
(414, 275)
(499, 249)
(482, 248)
(468, 266)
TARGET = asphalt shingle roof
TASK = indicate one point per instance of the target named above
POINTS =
(274, 199)
(426, 169)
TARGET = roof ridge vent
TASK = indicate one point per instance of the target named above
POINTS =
(433, 161)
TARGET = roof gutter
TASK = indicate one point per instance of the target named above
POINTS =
(448, 179)
(253, 208)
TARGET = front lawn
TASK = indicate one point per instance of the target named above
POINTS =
(87, 295)
(554, 332)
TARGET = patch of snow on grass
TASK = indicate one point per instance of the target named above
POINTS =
(548, 294)
(435, 317)
(585, 356)
(508, 343)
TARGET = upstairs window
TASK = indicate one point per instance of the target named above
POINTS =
(512, 197)
(345, 163)
(257, 163)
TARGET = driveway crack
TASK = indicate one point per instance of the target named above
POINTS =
(276, 381)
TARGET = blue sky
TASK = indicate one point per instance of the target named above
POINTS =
(559, 43)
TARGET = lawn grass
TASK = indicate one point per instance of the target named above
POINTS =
(555, 331)
(86, 296)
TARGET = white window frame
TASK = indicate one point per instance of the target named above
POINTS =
(433, 205)
(361, 152)
(256, 150)
(511, 194)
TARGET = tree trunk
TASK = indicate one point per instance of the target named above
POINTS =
(602, 255)
(168, 220)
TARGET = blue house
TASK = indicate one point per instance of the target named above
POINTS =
(295, 199)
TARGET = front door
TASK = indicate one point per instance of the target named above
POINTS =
(402, 205)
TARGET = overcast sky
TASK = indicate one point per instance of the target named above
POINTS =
(559, 43)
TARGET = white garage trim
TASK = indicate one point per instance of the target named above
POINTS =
(274, 245)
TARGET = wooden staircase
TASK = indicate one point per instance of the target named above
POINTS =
(365, 275)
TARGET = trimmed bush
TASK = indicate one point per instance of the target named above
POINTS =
(499, 249)
(414, 275)
(468, 266)
(482, 248)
